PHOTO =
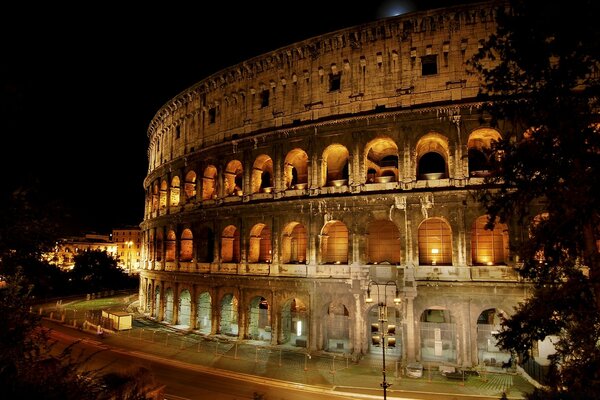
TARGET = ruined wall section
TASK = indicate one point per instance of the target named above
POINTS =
(399, 62)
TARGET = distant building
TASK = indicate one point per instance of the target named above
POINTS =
(66, 248)
(128, 242)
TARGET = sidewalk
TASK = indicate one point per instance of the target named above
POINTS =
(288, 363)
(292, 364)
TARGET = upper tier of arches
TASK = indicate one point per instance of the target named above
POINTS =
(394, 63)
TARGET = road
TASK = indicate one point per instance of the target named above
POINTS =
(193, 381)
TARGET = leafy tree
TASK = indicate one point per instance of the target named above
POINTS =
(97, 270)
(28, 226)
(30, 369)
(541, 81)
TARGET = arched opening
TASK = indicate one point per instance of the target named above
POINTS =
(168, 316)
(156, 302)
(175, 191)
(392, 328)
(262, 173)
(204, 313)
(489, 247)
(435, 242)
(432, 166)
(293, 244)
(259, 250)
(337, 332)
(149, 299)
(438, 336)
(294, 323)
(230, 244)
(334, 243)
(432, 157)
(228, 324)
(171, 244)
(206, 245)
(488, 352)
(190, 186)
(187, 245)
(209, 185)
(234, 178)
(479, 146)
(259, 324)
(295, 169)
(163, 195)
(159, 245)
(155, 197)
(184, 313)
(381, 161)
(335, 166)
(383, 242)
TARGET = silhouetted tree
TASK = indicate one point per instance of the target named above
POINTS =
(540, 74)
(97, 270)
(29, 369)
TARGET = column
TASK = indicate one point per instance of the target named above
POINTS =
(411, 331)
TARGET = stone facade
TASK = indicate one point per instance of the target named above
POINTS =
(282, 189)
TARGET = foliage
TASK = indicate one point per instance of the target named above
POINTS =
(28, 226)
(30, 369)
(97, 270)
(541, 82)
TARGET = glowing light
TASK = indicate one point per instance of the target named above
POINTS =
(393, 8)
(299, 328)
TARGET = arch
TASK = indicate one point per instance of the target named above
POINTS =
(383, 242)
(228, 323)
(392, 328)
(205, 245)
(159, 245)
(163, 194)
(230, 244)
(259, 321)
(170, 246)
(156, 302)
(334, 243)
(479, 152)
(293, 244)
(209, 183)
(294, 323)
(381, 160)
(168, 316)
(174, 201)
(489, 247)
(149, 298)
(432, 156)
(337, 328)
(488, 352)
(295, 169)
(189, 186)
(204, 313)
(334, 170)
(435, 242)
(184, 313)
(234, 178)
(262, 174)
(259, 247)
(155, 197)
(438, 335)
(187, 245)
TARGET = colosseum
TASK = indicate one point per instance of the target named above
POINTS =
(287, 191)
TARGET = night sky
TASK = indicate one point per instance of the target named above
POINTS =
(81, 83)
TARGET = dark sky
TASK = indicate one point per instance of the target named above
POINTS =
(80, 84)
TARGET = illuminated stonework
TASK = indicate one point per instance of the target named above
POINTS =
(279, 187)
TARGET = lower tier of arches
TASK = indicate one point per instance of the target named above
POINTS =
(445, 323)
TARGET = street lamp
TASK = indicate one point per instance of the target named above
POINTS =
(382, 308)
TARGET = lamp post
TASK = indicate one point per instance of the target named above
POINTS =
(382, 317)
